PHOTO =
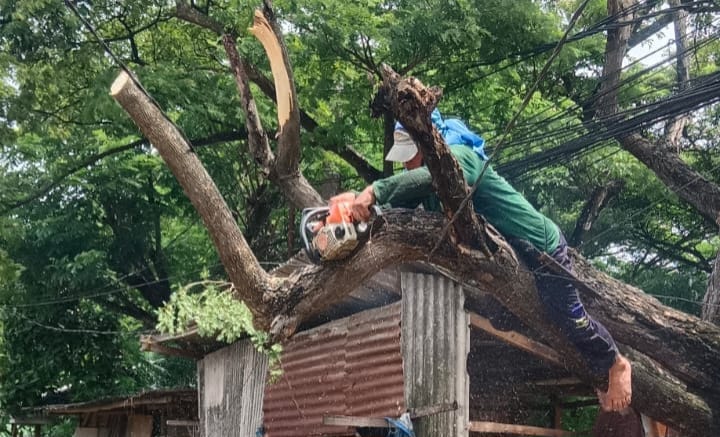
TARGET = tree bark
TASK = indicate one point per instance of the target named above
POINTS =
(599, 199)
(711, 302)
(239, 261)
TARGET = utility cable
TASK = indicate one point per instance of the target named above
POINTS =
(510, 124)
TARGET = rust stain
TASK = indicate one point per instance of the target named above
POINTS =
(351, 366)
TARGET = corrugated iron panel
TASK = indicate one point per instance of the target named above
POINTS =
(374, 365)
(435, 342)
(351, 366)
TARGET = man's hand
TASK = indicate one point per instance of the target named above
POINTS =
(362, 204)
(347, 197)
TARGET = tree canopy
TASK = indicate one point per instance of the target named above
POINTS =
(96, 233)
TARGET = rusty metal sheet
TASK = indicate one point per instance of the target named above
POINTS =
(352, 366)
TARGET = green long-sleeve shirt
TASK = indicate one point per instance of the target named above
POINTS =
(495, 199)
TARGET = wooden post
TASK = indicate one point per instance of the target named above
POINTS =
(14, 430)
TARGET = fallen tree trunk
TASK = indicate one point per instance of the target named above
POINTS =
(672, 353)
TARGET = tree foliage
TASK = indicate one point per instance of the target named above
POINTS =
(96, 234)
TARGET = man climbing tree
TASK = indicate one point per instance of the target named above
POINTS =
(506, 209)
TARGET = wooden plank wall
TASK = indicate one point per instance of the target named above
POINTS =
(231, 386)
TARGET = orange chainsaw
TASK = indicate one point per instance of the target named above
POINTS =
(329, 232)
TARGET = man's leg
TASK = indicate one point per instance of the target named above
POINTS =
(589, 336)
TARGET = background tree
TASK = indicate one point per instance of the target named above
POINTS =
(89, 207)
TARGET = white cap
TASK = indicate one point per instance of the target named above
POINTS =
(403, 149)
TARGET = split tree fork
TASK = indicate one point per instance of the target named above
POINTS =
(507, 210)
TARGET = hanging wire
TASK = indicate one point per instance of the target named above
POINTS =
(511, 123)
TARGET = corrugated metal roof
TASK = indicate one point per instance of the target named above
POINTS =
(351, 366)
(154, 398)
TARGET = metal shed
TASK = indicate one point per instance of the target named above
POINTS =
(404, 341)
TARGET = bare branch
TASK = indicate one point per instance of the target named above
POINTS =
(598, 200)
(240, 263)
(411, 103)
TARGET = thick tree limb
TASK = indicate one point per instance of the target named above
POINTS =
(239, 261)
(598, 200)
(688, 184)
(685, 346)
(411, 103)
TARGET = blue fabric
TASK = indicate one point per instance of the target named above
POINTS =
(398, 429)
(454, 131)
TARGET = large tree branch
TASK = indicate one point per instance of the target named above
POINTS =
(598, 200)
(692, 187)
(362, 166)
(240, 263)
(292, 183)
(677, 387)
(688, 184)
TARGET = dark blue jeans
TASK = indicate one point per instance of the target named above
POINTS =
(563, 305)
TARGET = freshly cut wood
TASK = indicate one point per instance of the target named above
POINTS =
(263, 31)
(355, 421)
(505, 428)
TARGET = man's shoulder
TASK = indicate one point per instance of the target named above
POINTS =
(462, 151)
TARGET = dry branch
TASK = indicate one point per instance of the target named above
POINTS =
(411, 103)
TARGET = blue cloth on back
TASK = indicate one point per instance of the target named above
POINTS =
(454, 131)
